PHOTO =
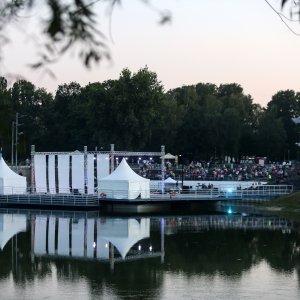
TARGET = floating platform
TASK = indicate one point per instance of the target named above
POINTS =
(157, 201)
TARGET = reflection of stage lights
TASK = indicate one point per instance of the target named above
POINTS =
(229, 190)
(150, 248)
(94, 245)
(229, 210)
(140, 247)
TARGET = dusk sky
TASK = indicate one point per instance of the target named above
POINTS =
(221, 41)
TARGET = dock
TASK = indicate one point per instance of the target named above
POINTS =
(96, 202)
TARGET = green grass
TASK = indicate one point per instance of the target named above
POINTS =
(287, 206)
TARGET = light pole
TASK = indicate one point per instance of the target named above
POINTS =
(12, 142)
(17, 124)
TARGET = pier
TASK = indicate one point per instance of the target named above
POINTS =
(95, 202)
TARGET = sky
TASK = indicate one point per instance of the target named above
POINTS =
(220, 41)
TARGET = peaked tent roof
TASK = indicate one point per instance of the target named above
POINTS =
(170, 180)
(124, 172)
(6, 172)
(168, 156)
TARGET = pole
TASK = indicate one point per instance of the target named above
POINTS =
(162, 169)
(12, 142)
(112, 157)
(17, 124)
(32, 169)
(85, 170)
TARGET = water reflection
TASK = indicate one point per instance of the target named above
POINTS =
(10, 225)
(102, 239)
(90, 256)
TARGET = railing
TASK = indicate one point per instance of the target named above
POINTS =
(264, 192)
(78, 198)
(48, 199)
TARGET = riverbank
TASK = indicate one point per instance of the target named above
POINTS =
(287, 206)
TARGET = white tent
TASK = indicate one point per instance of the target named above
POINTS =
(124, 183)
(168, 156)
(170, 180)
(10, 182)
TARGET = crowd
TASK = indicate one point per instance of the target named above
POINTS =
(201, 170)
(243, 171)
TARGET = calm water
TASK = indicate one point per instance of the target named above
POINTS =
(86, 256)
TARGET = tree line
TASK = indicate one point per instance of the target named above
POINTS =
(136, 113)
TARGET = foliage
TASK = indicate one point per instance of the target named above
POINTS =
(70, 26)
(74, 25)
(134, 112)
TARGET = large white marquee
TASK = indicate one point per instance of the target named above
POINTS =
(124, 183)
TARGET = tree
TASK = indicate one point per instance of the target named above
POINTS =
(33, 107)
(136, 104)
(71, 25)
(271, 136)
(68, 128)
(5, 115)
(286, 105)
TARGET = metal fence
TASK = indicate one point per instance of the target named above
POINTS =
(79, 198)
(43, 199)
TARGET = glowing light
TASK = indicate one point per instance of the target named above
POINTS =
(140, 248)
(229, 210)
(229, 190)
(106, 245)
(150, 248)
(94, 245)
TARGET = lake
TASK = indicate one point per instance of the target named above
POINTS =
(71, 255)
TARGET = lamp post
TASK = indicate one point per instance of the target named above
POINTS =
(12, 142)
(17, 133)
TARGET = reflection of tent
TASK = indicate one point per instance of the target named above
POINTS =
(123, 233)
(124, 183)
(170, 180)
(168, 156)
(10, 225)
(10, 182)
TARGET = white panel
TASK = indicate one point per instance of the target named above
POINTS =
(63, 174)
(51, 173)
(90, 174)
(78, 238)
(90, 237)
(40, 173)
(102, 166)
(51, 235)
(78, 172)
(63, 237)
(40, 235)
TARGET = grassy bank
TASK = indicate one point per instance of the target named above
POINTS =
(287, 206)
